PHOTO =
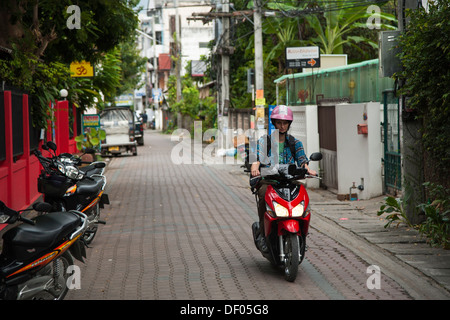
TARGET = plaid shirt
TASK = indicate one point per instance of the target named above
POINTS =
(286, 157)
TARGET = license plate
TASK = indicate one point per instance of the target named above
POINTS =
(113, 149)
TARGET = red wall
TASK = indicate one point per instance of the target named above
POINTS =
(18, 179)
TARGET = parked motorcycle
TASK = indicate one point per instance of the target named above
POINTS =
(37, 253)
(287, 217)
(67, 187)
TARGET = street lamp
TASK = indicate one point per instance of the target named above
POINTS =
(63, 93)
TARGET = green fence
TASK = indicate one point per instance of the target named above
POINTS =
(391, 139)
(360, 82)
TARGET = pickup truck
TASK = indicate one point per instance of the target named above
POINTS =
(118, 123)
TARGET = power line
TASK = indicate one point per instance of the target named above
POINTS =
(335, 6)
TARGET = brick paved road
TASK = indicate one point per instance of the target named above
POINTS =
(183, 232)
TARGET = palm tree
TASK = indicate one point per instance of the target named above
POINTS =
(340, 20)
(284, 29)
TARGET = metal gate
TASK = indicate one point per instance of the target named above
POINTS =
(391, 132)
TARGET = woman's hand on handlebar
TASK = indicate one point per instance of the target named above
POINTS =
(310, 171)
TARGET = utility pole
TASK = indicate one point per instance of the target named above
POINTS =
(178, 61)
(155, 58)
(412, 168)
(259, 68)
(225, 74)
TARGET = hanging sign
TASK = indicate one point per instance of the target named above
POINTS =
(302, 57)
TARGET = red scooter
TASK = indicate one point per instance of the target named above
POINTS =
(287, 217)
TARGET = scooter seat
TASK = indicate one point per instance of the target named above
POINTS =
(48, 230)
(91, 170)
(90, 186)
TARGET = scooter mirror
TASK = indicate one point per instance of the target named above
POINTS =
(42, 207)
(51, 145)
(316, 156)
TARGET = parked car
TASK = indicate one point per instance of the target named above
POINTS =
(119, 125)
(138, 130)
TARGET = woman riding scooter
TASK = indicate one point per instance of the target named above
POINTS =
(290, 151)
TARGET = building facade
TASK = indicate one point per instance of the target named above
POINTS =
(158, 21)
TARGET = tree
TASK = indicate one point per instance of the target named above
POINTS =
(340, 20)
(425, 57)
(40, 27)
(43, 45)
(132, 66)
(286, 28)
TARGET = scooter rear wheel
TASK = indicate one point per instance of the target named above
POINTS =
(291, 250)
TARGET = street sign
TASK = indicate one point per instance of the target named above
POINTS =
(90, 121)
(302, 57)
(125, 100)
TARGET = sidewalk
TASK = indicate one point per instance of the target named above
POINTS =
(403, 243)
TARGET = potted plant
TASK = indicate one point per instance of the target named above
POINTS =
(90, 139)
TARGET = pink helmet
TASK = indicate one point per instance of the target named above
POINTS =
(282, 112)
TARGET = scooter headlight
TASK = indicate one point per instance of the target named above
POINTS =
(298, 210)
(280, 211)
(71, 172)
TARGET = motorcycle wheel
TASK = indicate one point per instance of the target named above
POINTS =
(291, 250)
(58, 268)
(90, 233)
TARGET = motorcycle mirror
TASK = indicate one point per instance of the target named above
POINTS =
(316, 156)
(45, 147)
(52, 145)
(42, 207)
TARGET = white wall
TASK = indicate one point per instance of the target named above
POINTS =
(192, 32)
(359, 156)
(305, 128)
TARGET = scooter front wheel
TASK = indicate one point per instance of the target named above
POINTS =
(292, 256)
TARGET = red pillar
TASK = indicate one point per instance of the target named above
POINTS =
(62, 126)
(75, 120)
(8, 145)
(26, 146)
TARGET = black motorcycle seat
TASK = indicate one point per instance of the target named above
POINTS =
(91, 169)
(47, 231)
(90, 185)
